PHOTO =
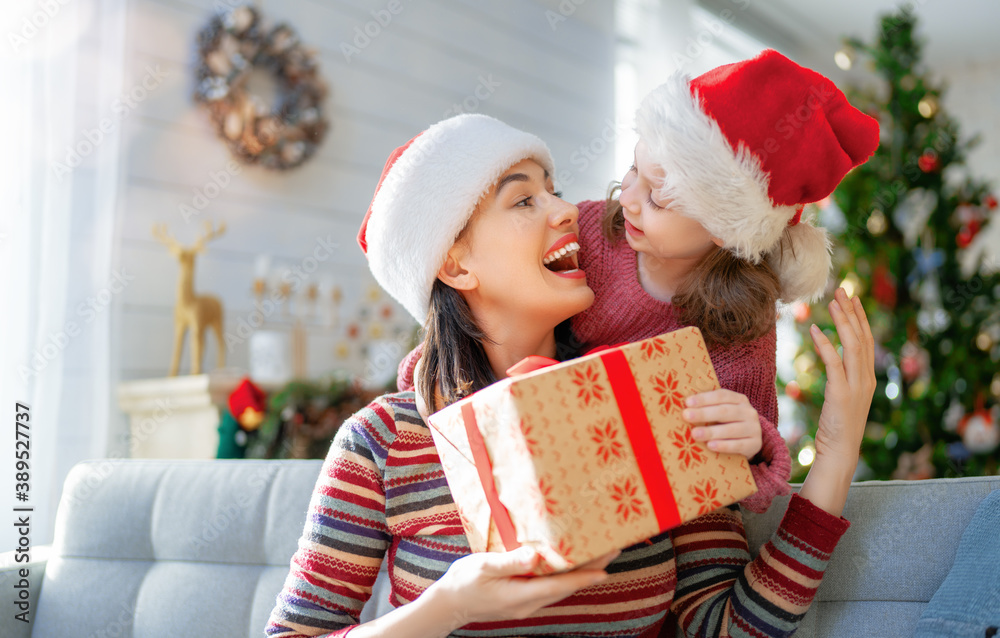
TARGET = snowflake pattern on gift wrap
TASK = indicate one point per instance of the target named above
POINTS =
(670, 395)
(606, 438)
(706, 495)
(530, 438)
(654, 348)
(688, 450)
(548, 503)
(626, 495)
(590, 388)
(565, 549)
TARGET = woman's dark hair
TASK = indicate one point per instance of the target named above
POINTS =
(731, 300)
(454, 362)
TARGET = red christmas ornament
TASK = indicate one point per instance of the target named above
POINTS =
(802, 312)
(913, 361)
(967, 234)
(793, 390)
(884, 286)
(979, 430)
(991, 202)
(929, 162)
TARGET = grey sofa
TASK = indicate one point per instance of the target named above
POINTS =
(150, 548)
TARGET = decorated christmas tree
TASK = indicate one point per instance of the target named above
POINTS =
(917, 239)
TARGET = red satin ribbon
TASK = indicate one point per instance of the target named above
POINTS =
(640, 436)
(482, 460)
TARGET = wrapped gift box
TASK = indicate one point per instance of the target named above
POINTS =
(587, 456)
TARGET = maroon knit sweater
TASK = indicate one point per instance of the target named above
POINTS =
(624, 312)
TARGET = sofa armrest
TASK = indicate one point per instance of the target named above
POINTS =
(13, 581)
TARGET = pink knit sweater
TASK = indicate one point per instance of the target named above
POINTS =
(623, 311)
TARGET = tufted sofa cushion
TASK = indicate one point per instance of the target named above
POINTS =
(199, 547)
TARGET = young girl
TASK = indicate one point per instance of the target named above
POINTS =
(707, 232)
(462, 231)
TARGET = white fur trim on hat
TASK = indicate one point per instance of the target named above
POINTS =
(724, 189)
(429, 195)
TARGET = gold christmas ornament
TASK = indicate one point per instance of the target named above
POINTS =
(984, 341)
(928, 106)
(877, 223)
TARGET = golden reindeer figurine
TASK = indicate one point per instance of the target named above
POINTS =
(197, 312)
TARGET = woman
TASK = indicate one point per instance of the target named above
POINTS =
(466, 232)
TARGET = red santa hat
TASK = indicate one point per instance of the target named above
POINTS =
(428, 190)
(745, 146)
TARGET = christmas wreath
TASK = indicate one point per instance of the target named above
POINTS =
(230, 46)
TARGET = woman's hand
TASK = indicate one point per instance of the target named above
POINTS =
(850, 386)
(726, 421)
(481, 588)
(494, 586)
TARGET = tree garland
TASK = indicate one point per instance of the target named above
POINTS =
(230, 46)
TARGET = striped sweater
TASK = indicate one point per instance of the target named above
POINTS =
(382, 493)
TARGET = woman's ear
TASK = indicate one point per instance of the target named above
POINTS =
(454, 272)
(718, 242)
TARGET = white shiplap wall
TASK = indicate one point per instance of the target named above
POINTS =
(553, 77)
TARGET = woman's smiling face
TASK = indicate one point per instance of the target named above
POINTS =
(519, 251)
(657, 227)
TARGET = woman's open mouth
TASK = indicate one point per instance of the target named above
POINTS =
(562, 258)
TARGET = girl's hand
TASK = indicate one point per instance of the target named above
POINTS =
(493, 586)
(850, 383)
(726, 420)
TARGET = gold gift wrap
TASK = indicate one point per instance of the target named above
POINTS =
(587, 456)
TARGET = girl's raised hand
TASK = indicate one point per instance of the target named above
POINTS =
(850, 381)
(726, 421)
(850, 385)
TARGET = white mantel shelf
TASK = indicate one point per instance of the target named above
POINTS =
(178, 417)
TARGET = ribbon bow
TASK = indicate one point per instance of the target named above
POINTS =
(535, 362)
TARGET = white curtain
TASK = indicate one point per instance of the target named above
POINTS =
(62, 69)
